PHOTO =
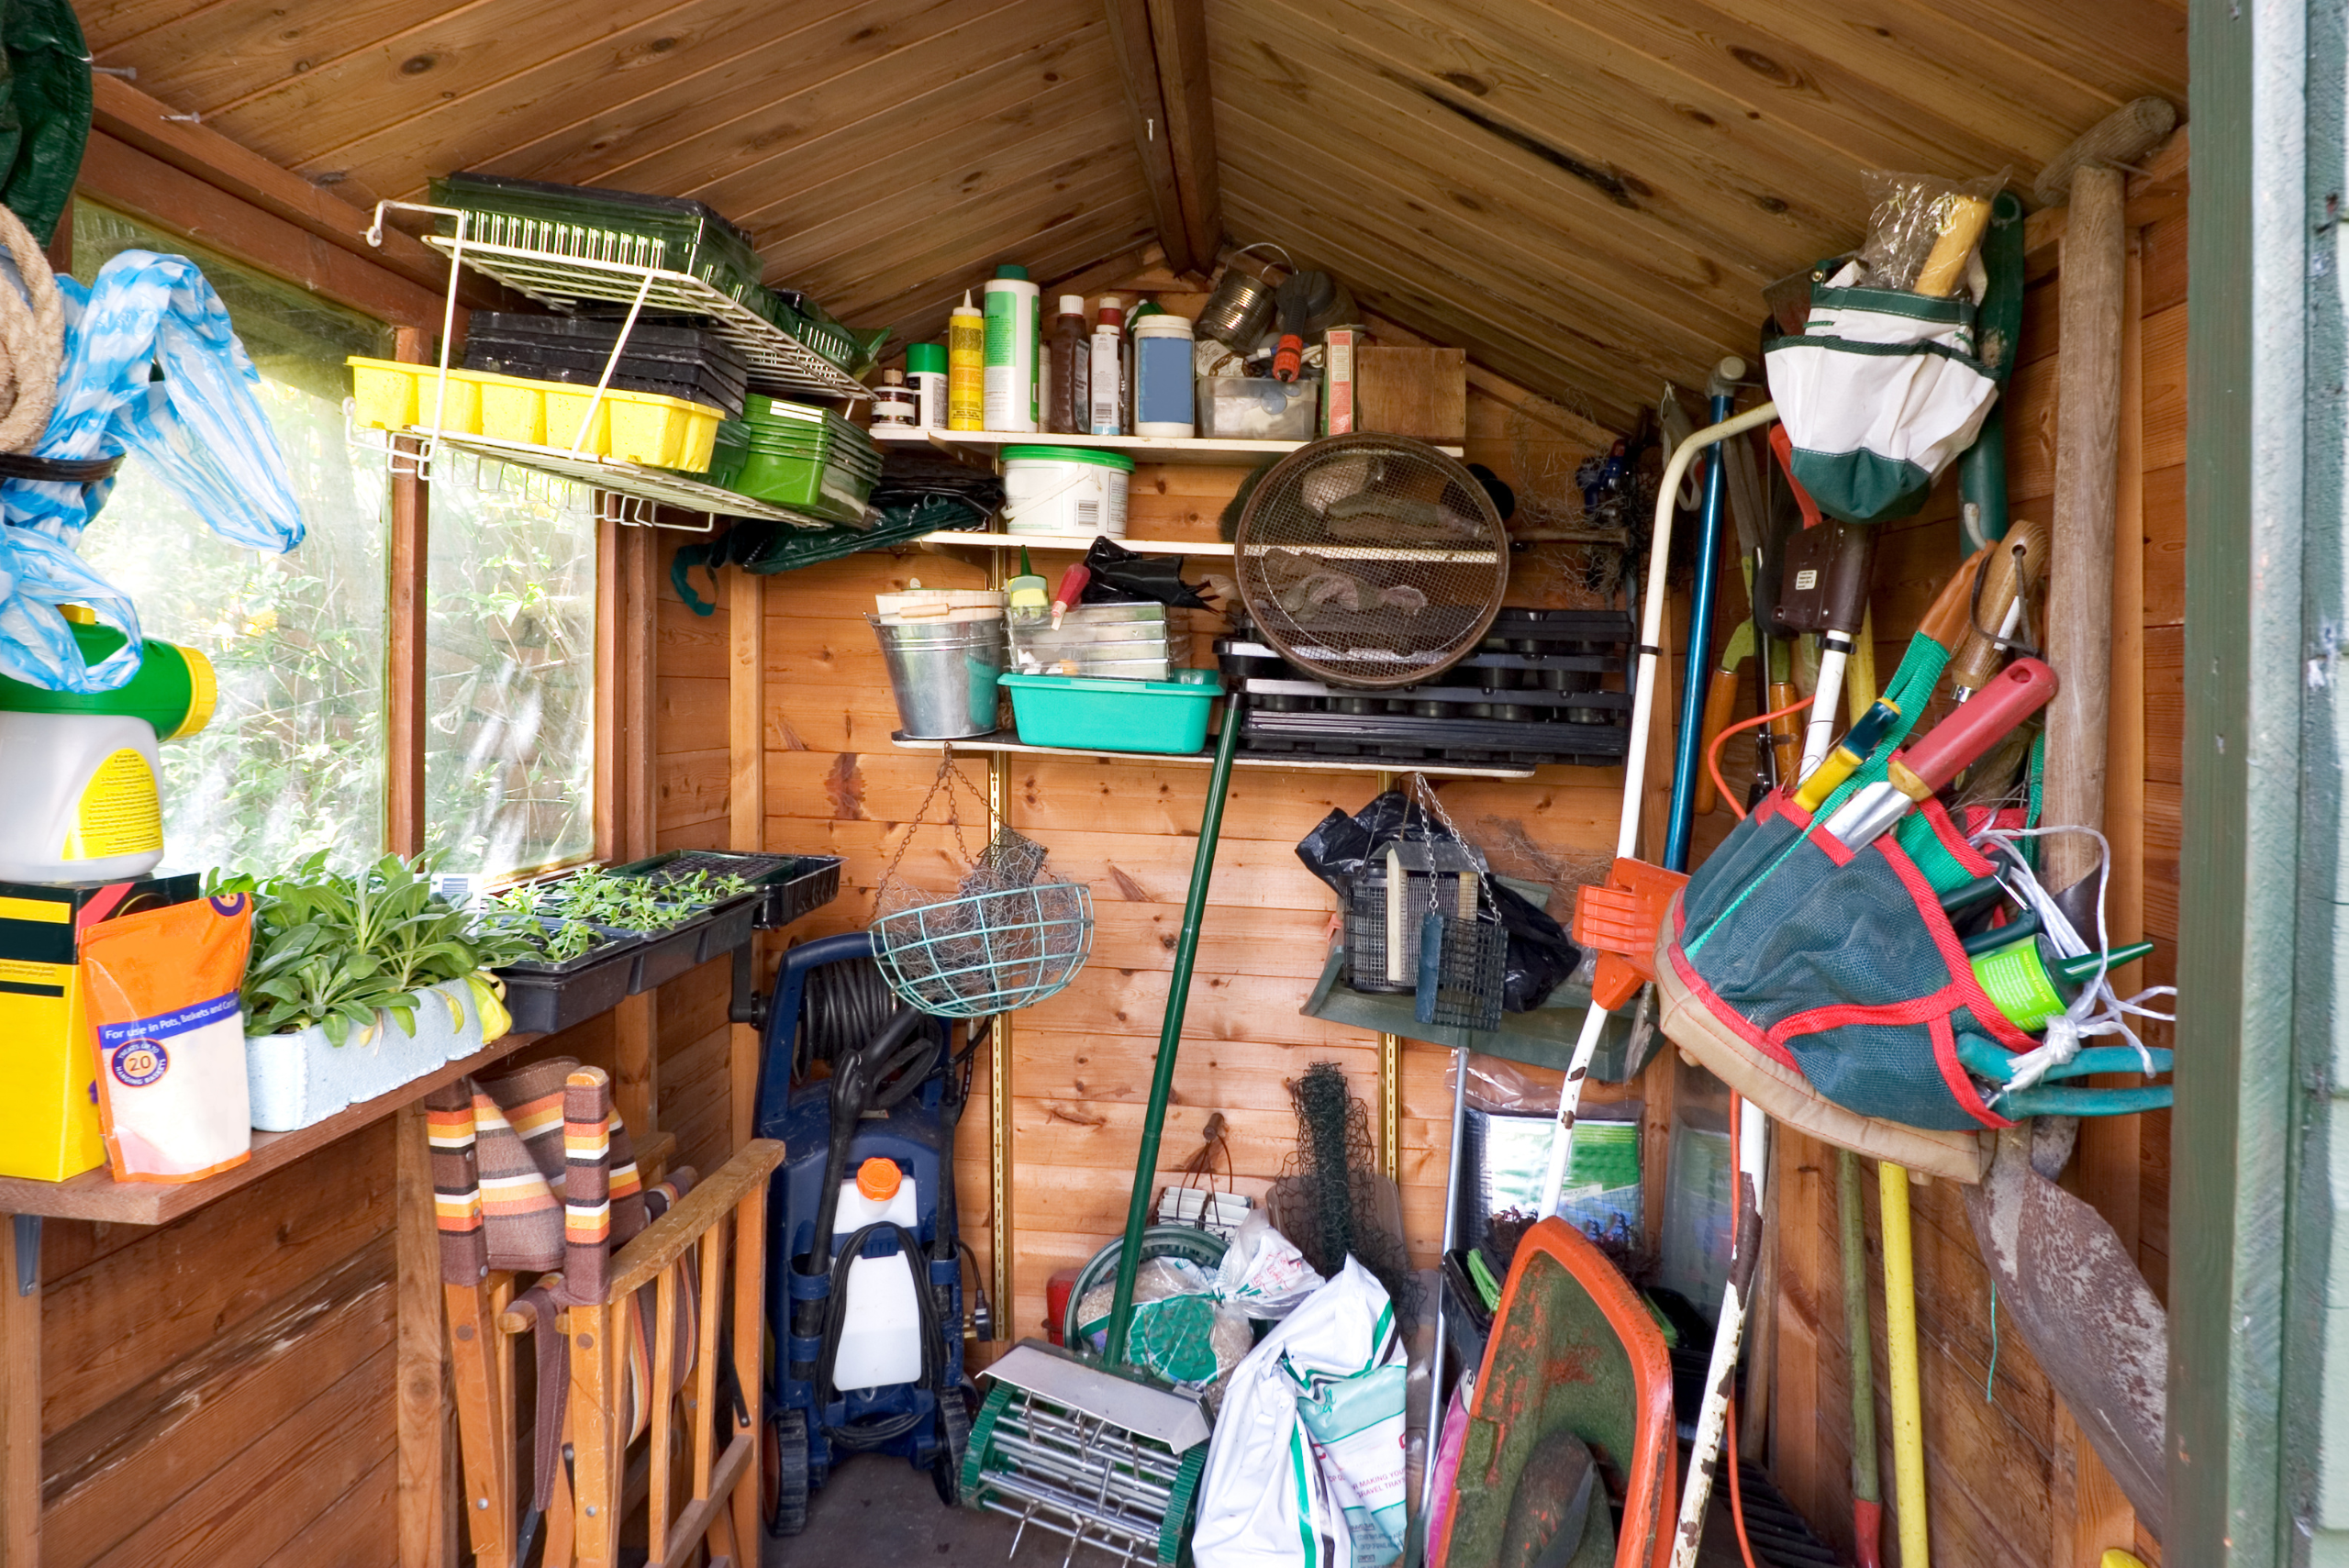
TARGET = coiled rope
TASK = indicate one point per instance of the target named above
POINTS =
(32, 340)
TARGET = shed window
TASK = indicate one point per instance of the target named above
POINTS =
(510, 672)
(294, 759)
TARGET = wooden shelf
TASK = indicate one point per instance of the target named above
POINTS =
(1002, 740)
(1197, 450)
(95, 1194)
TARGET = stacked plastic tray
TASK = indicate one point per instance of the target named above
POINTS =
(1544, 686)
(687, 363)
(808, 458)
(671, 233)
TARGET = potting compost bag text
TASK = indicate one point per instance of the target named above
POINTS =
(1306, 1468)
(171, 1038)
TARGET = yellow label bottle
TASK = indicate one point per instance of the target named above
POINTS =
(966, 355)
(77, 797)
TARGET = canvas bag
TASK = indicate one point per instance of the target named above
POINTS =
(1304, 1469)
(1880, 391)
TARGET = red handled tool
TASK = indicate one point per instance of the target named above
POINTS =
(2019, 690)
(1072, 589)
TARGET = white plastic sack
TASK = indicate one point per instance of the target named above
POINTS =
(1263, 1273)
(1306, 1468)
(1879, 392)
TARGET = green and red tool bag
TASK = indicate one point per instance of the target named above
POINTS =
(1826, 983)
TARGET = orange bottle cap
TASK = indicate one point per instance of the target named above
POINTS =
(878, 1179)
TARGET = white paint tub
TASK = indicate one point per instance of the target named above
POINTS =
(1077, 491)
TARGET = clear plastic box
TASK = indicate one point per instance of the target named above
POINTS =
(1258, 408)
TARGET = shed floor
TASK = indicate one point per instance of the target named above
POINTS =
(877, 1512)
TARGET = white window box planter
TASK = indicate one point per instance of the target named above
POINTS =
(300, 1078)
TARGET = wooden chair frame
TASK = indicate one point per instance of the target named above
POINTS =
(589, 1507)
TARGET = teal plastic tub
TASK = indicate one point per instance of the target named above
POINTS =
(1167, 717)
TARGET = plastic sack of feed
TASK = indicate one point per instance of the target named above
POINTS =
(163, 990)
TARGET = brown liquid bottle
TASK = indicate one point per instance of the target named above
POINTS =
(1069, 352)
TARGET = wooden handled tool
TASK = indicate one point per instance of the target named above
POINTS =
(2008, 578)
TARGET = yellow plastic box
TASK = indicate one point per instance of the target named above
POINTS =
(566, 407)
(513, 409)
(394, 397)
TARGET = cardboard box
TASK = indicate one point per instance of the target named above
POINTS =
(1422, 392)
(49, 1117)
(1341, 347)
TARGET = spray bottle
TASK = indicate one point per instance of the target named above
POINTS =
(77, 771)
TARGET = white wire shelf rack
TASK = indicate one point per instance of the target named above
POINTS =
(777, 360)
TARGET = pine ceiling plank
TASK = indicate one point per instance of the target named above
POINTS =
(1735, 84)
(2119, 50)
(1712, 160)
(906, 204)
(670, 61)
(919, 313)
(958, 127)
(208, 56)
(920, 173)
(945, 243)
(1704, 221)
(1642, 300)
(1443, 294)
(1463, 246)
(704, 137)
(1940, 68)
(1380, 120)
(1076, 185)
(355, 88)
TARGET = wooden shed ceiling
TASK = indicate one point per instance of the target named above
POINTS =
(1587, 196)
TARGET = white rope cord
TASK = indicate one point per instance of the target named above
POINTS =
(32, 340)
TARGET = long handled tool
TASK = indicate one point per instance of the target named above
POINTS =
(1688, 764)
(1867, 1495)
(1644, 691)
(1082, 1450)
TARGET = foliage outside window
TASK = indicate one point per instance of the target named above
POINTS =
(294, 759)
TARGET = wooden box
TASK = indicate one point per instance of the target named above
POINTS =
(1414, 391)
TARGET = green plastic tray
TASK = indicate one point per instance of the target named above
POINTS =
(1164, 716)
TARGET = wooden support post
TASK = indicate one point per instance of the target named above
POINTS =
(19, 1394)
(2079, 621)
(1000, 1144)
(1178, 36)
(1162, 55)
(427, 1524)
(636, 1090)
(746, 797)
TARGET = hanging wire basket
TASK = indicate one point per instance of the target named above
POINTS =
(1008, 940)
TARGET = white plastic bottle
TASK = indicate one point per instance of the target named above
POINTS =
(77, 799)
(1108, 377)
(1013, 334)
(880, 1339)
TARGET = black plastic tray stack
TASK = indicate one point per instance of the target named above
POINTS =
(691, 362)
(1544, 686)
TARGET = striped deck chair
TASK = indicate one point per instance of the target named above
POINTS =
(533, 1176)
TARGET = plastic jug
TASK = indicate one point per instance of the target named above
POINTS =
(879, 1335)
(78, 801)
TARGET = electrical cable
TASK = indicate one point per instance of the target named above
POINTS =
(845, 1004)
(870, 1433)
(1713, 757)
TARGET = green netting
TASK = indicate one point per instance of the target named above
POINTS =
(45, 104)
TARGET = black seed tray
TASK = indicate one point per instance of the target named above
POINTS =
(791, 886)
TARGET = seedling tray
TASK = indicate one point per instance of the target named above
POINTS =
(665, 955)
(791, 886)
(728, 927)
(544, 996)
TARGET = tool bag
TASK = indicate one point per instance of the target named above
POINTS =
(1825, 984)
(1880, 391)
